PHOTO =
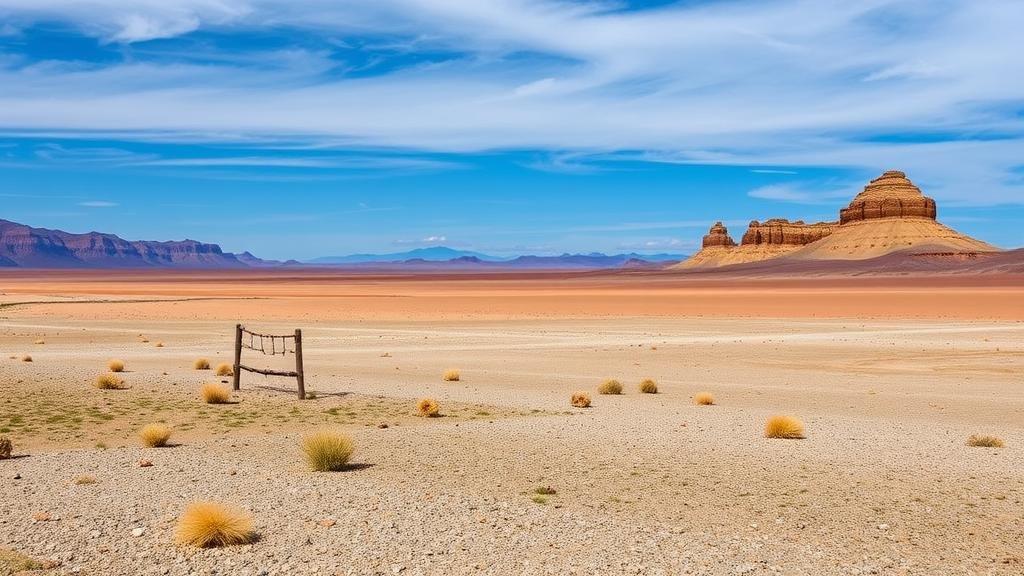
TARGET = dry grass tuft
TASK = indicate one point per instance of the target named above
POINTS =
(215, 394)
(703, 399)
(327, 451)
(201, 364)
(580, 400)
(225, 369)
(116, 365)
(26, 358)
(109, 381)
(40, 341)
(452, 375)
(428, 407)
(6, 447)
(155, 435)
(212, 525)
(786, 427)
(649, 386)
(985, 441)
(610, 387)
(85, 479)
(159, 344)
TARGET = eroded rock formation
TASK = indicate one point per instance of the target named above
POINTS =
(890, 214)
(783, 232)
(891, 195)
(718, 236)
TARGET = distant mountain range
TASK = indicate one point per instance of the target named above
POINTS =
(442, 256)
(27, 247)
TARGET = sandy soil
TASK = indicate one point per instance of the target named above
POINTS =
(646, 484)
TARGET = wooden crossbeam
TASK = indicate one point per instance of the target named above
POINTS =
(269, 372)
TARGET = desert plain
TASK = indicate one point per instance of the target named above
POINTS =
(890, 376)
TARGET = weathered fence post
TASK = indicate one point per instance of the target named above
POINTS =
(238, 357)
(298, 364)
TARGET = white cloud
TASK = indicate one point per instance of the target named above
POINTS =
(723, 82)
(98, 204)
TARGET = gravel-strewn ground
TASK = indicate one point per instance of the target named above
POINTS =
(884, 483)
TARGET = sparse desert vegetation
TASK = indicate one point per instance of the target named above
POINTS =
(201, 364)
(215, 393)
(26, 358)
(703, 399)
(225, 369)
(40, 342)
(648, 386)
(428, 407)
(116, 365)
(985, 441)
(213, 525)
(155, 435)
(327, 450)
(784, 427)
(610, 387)
(6, 447)
(580, 400)
(84, 480)
(110, 381)
(452, 375)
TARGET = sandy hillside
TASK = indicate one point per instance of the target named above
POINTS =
(884, 483)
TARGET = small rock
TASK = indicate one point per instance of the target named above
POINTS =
(328, 522)
(41, 516)
(883, 526)
(138, 532)
(382, 425)
(145, 463)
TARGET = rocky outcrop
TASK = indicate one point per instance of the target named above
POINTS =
(891, 214)
(28, 247)
(783, 232)
(891, 195)
(718, 236)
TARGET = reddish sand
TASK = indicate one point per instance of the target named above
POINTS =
(332, 295)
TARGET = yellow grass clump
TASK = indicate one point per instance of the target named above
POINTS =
(327, 451)
(26, 358)
(85, 479)
(428, 407)
(109, 381)
(155, 435)
(212, 525)
(159, 344)
(215, 394)
(703, 399)
(116, 365)
(610, 387)
(6, 447)
(985, 441)
(580, 400)
(786, 427)
(201, 364)
(225, 369)
(452, 375)
(648, 386)
(40, 341)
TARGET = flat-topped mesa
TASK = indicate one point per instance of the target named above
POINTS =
(782, 232)
(891, 195)
(718, 236)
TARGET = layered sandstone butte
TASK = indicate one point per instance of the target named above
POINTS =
(24, 246)
(762, 240)
(718, 236)
(889, 215)
(891, 195)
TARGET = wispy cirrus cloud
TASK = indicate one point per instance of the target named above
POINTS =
(699, 82)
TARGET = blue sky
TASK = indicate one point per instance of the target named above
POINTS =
(305, 128)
